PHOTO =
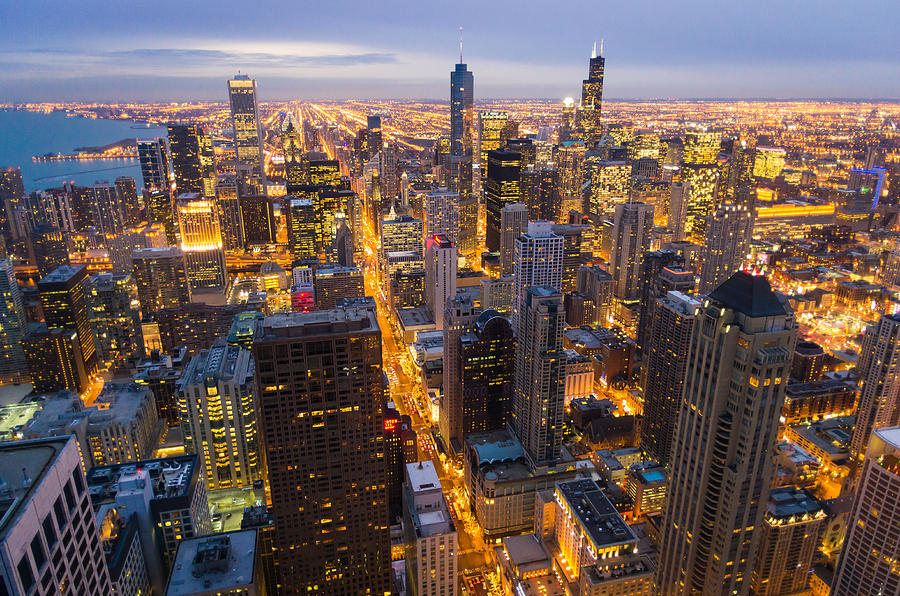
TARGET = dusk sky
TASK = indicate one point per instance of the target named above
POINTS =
(163, 50)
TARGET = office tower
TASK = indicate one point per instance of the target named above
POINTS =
(301, 228)
(161, 278)
(159, 207)
(81, 201)
(50, 248)
(195, 326)
(12, 327)
(699, 174)
(575, 251)
(441, 208)
(154, 160)
(217, 415)
(491, 129)
(678, 194)
(866, 564)
(460, 313)
(538, 262)
(487, 373)
(501, 187)
(727, 426)
(224, 563)
(608, 185)
(65, 307)
(768, 162)
(590, 122)
(168, 496)
(440, 275)
(541, 192)
(201, 241)
(395, 461)
(430, 534)
(331, 206)
(107, 214)
(342, 252)
(374, 136)
(193, 161)
(879, 371)
(462, 114)
(728, 234)
(230, 213)
(325, 172)
(55, 360)
(661, 272)
(258, 220)
(569, 162)
(401, 234)
(325, 450)
(292, 148)
(335, 282)
(47, 538)
(792, 526)
(513, 223)
(631, 237)
(129, 200)
(538, 403)
(663, 373)
(114, 316)
(597, 285)
(11, 192)
(249, 163)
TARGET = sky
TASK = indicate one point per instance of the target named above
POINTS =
(163, 50)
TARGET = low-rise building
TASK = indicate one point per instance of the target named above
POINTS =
(219, 564)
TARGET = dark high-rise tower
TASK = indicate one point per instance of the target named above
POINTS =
(501, 188)
(487, 365)
(321, 401)
(65, 307)
(722, 464)
(592, 98)
(154, 163)
(292, 147)
(374, 136)
(50, 249)
(459, 163)
(249, 163)
(192, 159)
(462, 109)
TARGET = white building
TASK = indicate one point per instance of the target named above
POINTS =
(431, 537)
(538, 262)
(440, 275)
(441, 207)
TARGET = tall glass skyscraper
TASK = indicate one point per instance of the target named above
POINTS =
(154, 163)
(592, 98)
(462, 110)
(249, 158)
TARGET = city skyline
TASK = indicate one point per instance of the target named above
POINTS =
(694, 51)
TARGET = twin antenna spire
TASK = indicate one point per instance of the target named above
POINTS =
(460, 44)
(593, 52)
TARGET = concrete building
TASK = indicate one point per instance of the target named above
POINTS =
(538, 262)
(513, 223)
(431, 537)
(121, 544)
(631, 237)
(161, 278)
(441, 208)
(728, 234)
(440, 275)
(497, 294)
(334, 282)
(227, 563)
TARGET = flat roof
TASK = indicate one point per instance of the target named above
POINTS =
(890, 435)
(226, 561)
(25, 459)
(422, 476)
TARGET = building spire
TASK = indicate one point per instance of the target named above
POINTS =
(460, 44)
(594, 51)
(601, 47)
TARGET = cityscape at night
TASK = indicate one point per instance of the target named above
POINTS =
(311, 327)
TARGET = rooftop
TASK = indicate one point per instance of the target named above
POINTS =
(790, 502)
(171, 477)
(22, 468)
(595, 514)
(749, 294)
(423, 476)
(217, 562)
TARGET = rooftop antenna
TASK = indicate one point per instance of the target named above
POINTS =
(460, 44)
(601, 47)
(594, 51)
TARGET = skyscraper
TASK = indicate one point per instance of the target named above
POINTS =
(301, 228)
(249, 163)
(501, 187)
(539, 399)
(590, 123)
(631, 236)
(699, 174)
(487, 374)
(201, 241)
(230, 213)
(159, 207)
(722, 465)
(50, 248)
(440, 275)
(513, 223)
(462, 109)
(609, 184)
(664, 368)
(459, 314)
(325, 449)
(161, 278)
(374, 136)
(867, 563)
(491, 129)
(12, 327)
(728, 232)
(441, 208)
(65, 307)
(292, 147)
(128, 197)
(879, 371)
(55, 360)
(258, 219)
(538, 262)
(154, 160)
(193, 162)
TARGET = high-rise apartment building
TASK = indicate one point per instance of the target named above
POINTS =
(663, 373)
(154, 160)
(161, 278)
(441, 208)
(201, 241)
(249, 165)
(728, 234)
(325, 449)
(107, 213)
(487, 372)
(440, 275)
(50, 248)
(12, 327)
(459, 315)
(128, 197)
(193, 160)
(722, 464)
(230, 216)
(867, 562)
(430, 534)
(539, 398)
(333, 282)
(501, 187)
(160, 210)
(55, 360)
(50, 542)
(65, 307)
(538, 262)
(513, 223)
(609, 184)
(217, 413)
(631, 236)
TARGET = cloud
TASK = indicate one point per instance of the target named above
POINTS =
(203, 58)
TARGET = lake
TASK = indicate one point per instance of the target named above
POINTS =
(24, 134)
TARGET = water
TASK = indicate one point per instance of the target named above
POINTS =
(24, 134)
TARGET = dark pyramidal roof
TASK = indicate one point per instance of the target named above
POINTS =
(749, 294)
